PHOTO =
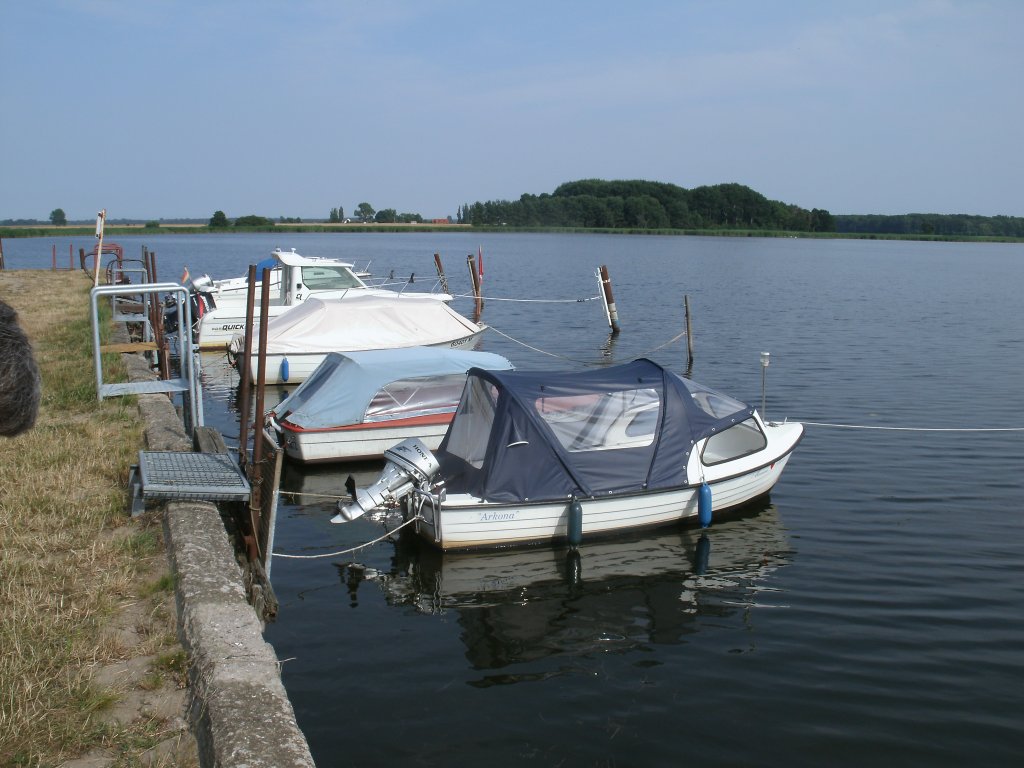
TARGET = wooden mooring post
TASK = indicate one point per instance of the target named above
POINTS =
(611, 313)
(440, 272)
(474, 279)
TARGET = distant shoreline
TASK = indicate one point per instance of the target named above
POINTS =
(74, 230)
(78, 230)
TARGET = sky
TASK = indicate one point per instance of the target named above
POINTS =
(178, 108)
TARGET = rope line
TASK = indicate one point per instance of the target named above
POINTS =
(315, 495)
(526, 301)
(673, 340)
(349, 551)
(536, 349)
(914, 429)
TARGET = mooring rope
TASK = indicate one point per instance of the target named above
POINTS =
(332, 497)
(673, 340)
(350, 550)
(912, 429)
(525, 301)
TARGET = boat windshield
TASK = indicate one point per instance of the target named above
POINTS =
(330, 278)
(738, 440)
(713, 403)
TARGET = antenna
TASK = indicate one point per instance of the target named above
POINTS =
(764, 371)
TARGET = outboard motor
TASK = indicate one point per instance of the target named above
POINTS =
(410, 466)
(201, 303)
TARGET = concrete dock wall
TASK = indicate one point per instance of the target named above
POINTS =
(238, 708)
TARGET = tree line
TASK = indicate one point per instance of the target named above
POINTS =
(650, 205)
(594, 203)
(932, 224)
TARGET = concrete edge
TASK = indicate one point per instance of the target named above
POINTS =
(238, 708)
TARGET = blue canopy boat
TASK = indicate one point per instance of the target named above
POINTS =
(537, 456)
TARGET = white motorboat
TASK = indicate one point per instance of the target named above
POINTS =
(535, 457)
(299, 340)
(219, 306)
(358, 404)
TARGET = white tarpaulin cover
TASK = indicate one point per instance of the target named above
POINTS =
(365, 322)
(384, 384)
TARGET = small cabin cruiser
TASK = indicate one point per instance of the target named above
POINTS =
(535, 457)
(219, 306)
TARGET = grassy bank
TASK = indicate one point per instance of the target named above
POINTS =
(85, 591)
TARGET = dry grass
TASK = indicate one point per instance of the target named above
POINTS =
(73, 565)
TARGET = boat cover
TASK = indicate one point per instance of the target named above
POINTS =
(354, 323)
(536, 436)
(382, 385)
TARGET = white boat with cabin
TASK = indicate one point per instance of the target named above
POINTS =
(219, 306)
(539, 457)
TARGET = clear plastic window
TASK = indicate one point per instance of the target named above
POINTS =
(738, 440)
(323, 278)
(416, 397)
(713, 403)
(603, 421)
(469, 432)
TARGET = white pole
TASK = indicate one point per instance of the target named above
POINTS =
(100, 219)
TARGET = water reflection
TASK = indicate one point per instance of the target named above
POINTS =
(522, 605)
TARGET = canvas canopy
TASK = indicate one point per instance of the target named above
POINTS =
(357, 323)
(382, 385)
(535, 436)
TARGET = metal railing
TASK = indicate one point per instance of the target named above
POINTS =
(187, 383)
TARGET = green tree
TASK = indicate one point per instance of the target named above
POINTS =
(253, 221)
(333, 218)
(364, 212)
(386, 216)
(57, 217)
(219, 219)
(341, 213)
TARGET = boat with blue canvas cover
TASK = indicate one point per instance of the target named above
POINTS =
(357, 404)
(539, 456)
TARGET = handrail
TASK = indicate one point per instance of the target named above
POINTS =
(187, 384)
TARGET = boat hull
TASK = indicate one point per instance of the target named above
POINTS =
(358, 442)
(464, 522)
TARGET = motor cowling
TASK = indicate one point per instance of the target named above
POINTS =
(410, 466)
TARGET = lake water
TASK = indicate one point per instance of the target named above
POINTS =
(873, 610)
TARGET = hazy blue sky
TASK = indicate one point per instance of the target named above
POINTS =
(157, 108)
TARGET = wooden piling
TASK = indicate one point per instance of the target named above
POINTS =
(474, 279)
(440, 272)
(689, 332)
(243, 369)
(609, 301)
(261, 374)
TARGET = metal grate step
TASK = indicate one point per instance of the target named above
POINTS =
(184, 475)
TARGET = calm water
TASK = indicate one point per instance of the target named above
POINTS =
(873, 610)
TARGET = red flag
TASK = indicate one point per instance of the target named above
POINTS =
(184, 276)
